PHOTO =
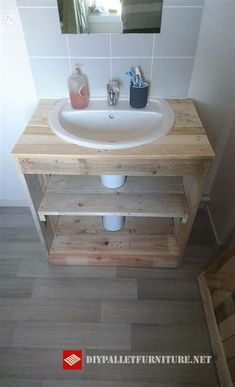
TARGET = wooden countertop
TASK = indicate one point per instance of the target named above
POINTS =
(187, 140)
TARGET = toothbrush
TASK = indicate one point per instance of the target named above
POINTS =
(131, 76)
(139, 77)
(137, 81)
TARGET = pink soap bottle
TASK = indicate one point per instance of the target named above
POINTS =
(78, 90)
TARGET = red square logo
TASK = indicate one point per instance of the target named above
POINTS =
(72, 359)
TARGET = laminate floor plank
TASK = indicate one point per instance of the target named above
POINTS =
(46, 310)
(153, 312)
(152, 289)
(9, 220)
(16, 287)
(15, 211)
(17, 234)
(200, 253)
(22, 250)
(187, 271)
(187, 338)
(41, 269)
(99, 288)
(20, 383)
(87, 383)
(9, 267)
(6, 332)
(33, 363)
(72, 335)
(45, 364)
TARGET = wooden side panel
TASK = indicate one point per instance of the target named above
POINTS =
(193, 187)
(78, 166)
(217, 287)
(217, 346)
(34, 189)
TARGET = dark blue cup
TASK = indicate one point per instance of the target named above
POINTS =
(139, 96)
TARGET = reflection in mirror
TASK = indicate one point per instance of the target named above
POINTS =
(128, 16)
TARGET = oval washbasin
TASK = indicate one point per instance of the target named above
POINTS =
(101, 126)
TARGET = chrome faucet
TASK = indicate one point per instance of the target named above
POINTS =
(113, 93)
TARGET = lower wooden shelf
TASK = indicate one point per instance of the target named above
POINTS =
(142, 242)
(140, 196)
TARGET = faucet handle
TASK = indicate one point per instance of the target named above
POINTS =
(113, 86)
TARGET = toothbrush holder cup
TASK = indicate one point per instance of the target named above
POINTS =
(139, 96)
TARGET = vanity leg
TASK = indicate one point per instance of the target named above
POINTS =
(193, 187)
(35, 186)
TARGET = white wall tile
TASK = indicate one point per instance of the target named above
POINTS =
(179, 32)
(171, 77)
(97, 72)
(120, 66)
(37, 3)
(137, 45)
(185, 3)
(50, 76)
(94, 45)
(42, 32)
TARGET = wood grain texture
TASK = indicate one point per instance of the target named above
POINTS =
(186, 140)
(70, 335)
(84, 166)
(16, 287)
(229, 347)
(217, 291)
(47, 310)
(144, 242)
(185, 337)
(161, 205)
(140, 196)
(150, 289)
(92, 184)
(56, 303)
(184, 152)
(95, 288)
(217, 346)
(158, 311)
(89, 383)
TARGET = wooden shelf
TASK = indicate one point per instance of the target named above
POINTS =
(141, 242)
(140, 196)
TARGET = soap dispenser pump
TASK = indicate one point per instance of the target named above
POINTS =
(78, 89)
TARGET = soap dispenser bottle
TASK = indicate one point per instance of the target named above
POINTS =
(78, 90)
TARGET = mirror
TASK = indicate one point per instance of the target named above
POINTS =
(127, 16)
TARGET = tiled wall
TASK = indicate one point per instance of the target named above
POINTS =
(166, 59)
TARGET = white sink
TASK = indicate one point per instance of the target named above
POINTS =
(101, 126)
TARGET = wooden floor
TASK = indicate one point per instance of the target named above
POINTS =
(44, 310)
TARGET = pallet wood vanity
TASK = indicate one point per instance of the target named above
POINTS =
(160, 198)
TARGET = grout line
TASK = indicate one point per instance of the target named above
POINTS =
(183, 6)
(110, 57)
(48, 57)
(37, 7)
(69, 57)
(94, 96)
(151, 68)
(174, 57)
(55, 7)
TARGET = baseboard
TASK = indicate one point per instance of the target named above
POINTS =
(217, 239)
